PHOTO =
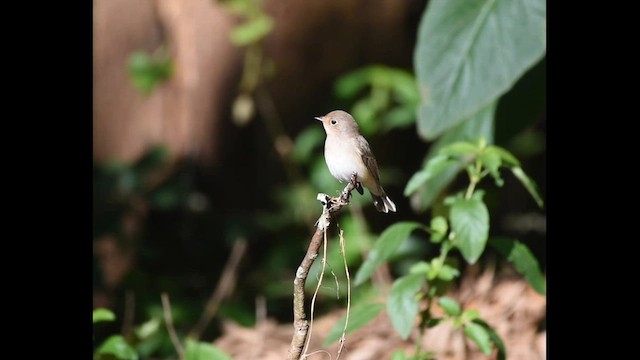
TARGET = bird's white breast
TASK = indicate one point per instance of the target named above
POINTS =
(343, 158)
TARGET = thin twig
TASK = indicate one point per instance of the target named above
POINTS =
(300, 322)
(168, 320)
(223, 289)
(346, 269)
(129, 312)
(315, 295)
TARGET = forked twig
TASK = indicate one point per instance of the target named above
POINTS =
(300, 322)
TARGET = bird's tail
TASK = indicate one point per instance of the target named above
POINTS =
(383, 203)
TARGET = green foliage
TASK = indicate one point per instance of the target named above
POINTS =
(470, 223)
(461, 78)
(148, 71)
(384, 248)
(450, 306)
(439, 228)
(116, 346)
(252, 30)
(479, 125)
(257, 23)
(100, 315)
(307, 142)
(203, 351)
(479, 335)
(402, 305)
(524, 261)
(528, 183)
(432, 168)
(495, 338)
(390, 102)
(359, 317)
(469, 53)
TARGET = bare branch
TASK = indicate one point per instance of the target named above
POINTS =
(223, 289)
(168, 319)
(300, 322)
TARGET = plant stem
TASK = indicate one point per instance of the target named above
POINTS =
(474, 179)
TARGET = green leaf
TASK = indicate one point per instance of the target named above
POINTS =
(479, 335)
(469, 315)
(528, 183)
(349, 85)
(399, 117)
(252, 31)
(480, 124)
(439, 228)
(146, 71)
(101, 314)
(306, 142)
(148, 328)
(505, 156)
(470, 222)
(402, 306)
(384, 248)
(469, 53)
(450, 306)
(360, 316)
(365, 112)
(459, 148)
(203, 351)
(421, 267)
(448, 273)
(523, 260)
(497, 340)
(116, 345)
(492, 162)
(433, 168)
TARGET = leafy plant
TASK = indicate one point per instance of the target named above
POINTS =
(117, 347)
(465, 228)
(468, 55)
(147, 71)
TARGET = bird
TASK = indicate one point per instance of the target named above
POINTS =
(346, 151)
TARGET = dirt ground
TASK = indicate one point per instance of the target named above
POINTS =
(504, 300)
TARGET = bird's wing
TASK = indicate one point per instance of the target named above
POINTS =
(368, 158)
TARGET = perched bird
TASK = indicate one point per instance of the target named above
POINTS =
(346, 151)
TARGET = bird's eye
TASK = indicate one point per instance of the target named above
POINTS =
(333, 122)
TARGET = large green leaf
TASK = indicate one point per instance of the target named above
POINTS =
(402, 305)
(469, 53)
(480, 124)
(384, 248)
(524, 261)
(359, 317)
(116, 345)
(470, 222)
(203, 351)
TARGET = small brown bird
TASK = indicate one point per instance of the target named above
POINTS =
(346, 151)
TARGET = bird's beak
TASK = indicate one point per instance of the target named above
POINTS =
(319, 118)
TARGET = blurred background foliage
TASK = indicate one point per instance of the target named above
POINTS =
(166, 216)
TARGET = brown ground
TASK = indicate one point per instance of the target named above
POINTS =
(505, 301)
